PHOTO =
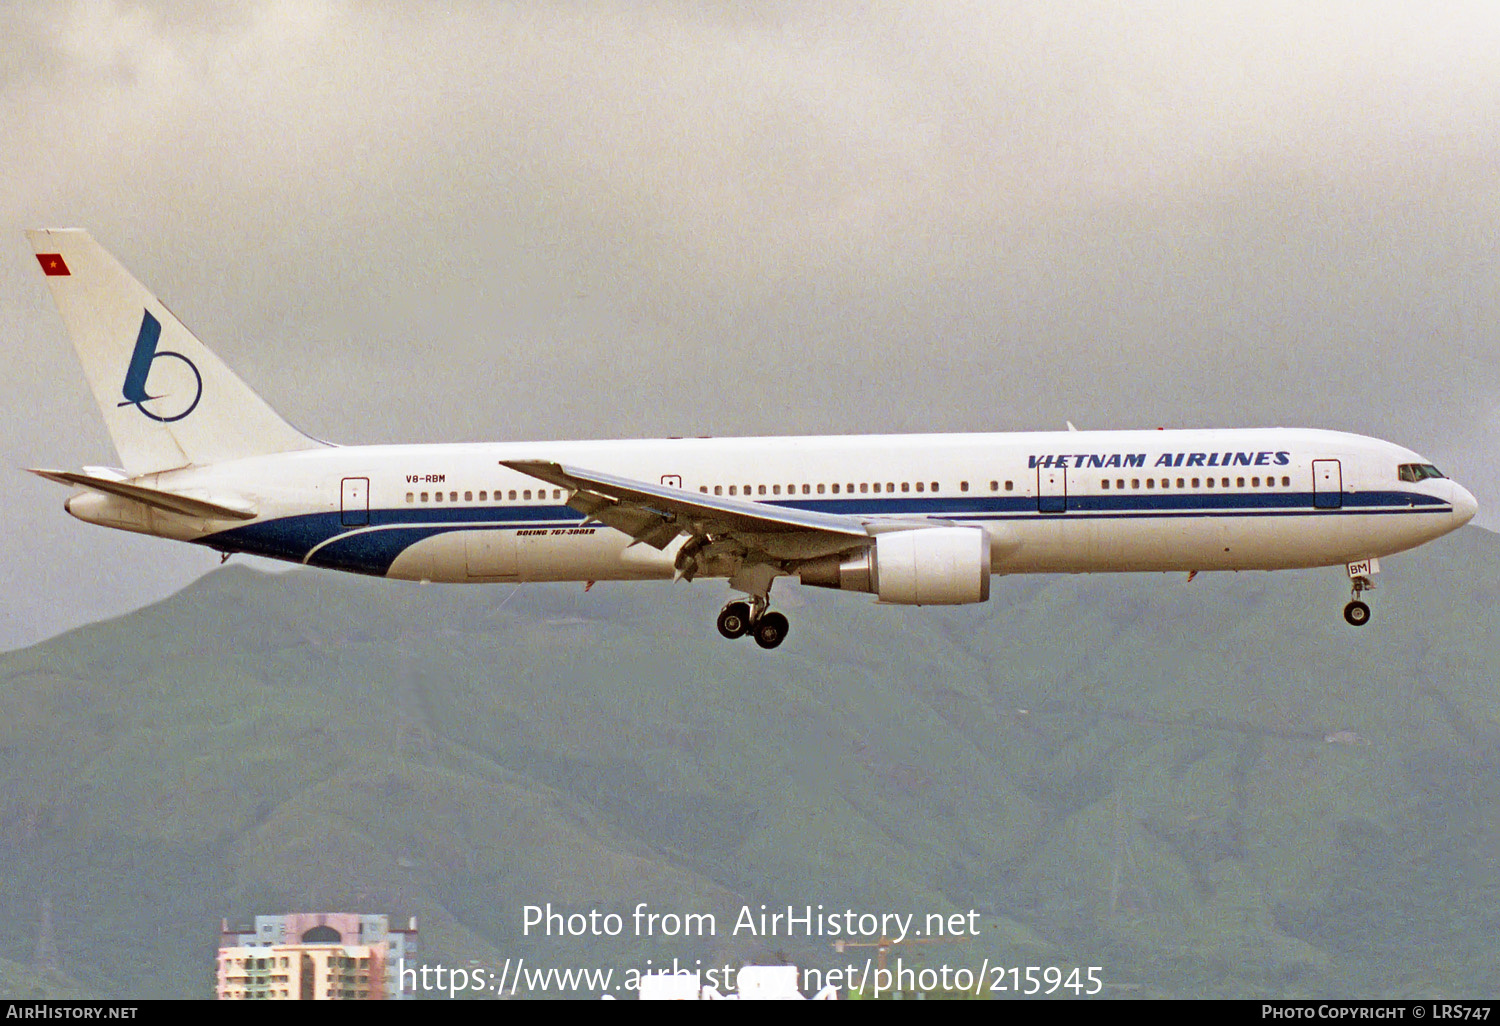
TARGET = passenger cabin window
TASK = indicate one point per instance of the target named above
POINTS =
(963, 486)
(1009, 486)
(1104, 484)
(526, 495)
(437, 496)
(512, 495)
(994, 486)
(468, 496)
(409, 496)
(424, 496)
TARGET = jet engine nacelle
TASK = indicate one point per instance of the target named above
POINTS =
(932, 566)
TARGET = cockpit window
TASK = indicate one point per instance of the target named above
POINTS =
(1417, 471)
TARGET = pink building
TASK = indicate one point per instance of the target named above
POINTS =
(314, 956)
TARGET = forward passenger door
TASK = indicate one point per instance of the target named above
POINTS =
(1051, 489)
(1328, 484)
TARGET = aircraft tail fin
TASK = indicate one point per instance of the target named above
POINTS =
(167, 400)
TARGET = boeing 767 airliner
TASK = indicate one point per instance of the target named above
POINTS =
(911, 519)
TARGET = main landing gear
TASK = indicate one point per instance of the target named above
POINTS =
(767, 627)
(753, 616)
(734, 619)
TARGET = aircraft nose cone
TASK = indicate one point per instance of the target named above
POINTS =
(1464, 503)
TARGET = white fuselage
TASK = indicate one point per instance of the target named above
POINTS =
(1055, 502)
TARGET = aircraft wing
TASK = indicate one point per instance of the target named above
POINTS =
(169, 501)
(656, 514)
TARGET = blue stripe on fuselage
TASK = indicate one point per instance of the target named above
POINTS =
(372, 549)
(1116, 502)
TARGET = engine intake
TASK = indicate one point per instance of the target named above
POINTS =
(932, 566)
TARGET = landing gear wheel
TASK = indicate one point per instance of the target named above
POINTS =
(734, 619)
(770, 630)
(1357, 613)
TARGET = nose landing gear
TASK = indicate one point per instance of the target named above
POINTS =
(1357, 613)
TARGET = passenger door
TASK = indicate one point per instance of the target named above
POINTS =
(1328, 484)
(355, 502)
(1051, 490)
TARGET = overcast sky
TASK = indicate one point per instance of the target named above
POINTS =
(558, 220)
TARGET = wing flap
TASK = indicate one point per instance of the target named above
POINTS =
(170, 501)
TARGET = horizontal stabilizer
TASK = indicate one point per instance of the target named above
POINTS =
(169, 501)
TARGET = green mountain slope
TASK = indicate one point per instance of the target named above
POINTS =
(1132, 772)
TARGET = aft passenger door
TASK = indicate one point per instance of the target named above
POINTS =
(1328, 484)
(1051, 490)
(355, 501)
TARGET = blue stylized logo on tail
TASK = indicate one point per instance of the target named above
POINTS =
(173, 402)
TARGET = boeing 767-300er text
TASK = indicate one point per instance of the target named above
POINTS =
(911, 519)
